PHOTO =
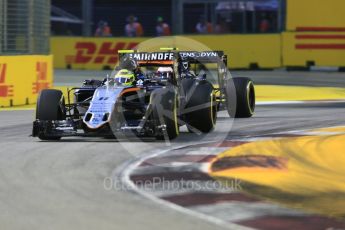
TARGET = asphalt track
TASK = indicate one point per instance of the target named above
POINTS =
(274, 77)
(59, 185)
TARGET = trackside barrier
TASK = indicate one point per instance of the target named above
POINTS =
(261, 51)
(23, 77)
(88, 53)
(246, 51)
(289, 49)
(315, 15)
(305, 49)
(315, 34)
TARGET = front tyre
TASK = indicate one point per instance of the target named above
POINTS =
(164, 106)
(50, 107)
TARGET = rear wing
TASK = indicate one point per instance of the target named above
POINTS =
(203, 56)
(168, 58)
(175, 59)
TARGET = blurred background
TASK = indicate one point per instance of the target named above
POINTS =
(222, 16)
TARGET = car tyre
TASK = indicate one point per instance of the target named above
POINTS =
(50, 106)
(165, 108)
(201, 107)
(240, 97)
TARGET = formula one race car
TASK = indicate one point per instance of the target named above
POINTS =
(154, 102)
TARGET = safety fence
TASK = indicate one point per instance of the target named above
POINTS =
(23, 77)
(24, 27)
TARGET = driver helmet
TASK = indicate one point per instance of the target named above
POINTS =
(124, 77)
(165, 72)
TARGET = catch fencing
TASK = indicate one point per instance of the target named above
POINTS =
(25, 63)
(24, 27)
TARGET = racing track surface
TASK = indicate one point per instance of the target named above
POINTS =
(275, 77)
(59, 185)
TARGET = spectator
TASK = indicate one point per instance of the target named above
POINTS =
(203, 26)
(133, 27)
(264, 25)
(221, 27)
(162, 28)
(103, 30)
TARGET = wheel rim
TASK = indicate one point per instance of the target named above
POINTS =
(175, 117)
(212, 110)
(250, 97)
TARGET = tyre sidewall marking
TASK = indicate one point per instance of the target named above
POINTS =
(211, 110)
(175, 115)
(248, 89)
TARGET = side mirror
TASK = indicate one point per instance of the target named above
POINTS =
(203, 76)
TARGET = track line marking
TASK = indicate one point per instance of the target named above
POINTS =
(124, 176)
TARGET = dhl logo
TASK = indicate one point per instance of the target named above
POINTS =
(5, 90)
(323, 40)
(106, 53)
(41, 78)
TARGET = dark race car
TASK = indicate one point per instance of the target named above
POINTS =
(130, 102)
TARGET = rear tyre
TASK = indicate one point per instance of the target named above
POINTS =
(50, 107)
(240, 97)
(165, 105)
(201, 107)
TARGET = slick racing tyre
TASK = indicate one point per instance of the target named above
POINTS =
(240, 97)
(164, 109)
(50, 107)
(201, 107)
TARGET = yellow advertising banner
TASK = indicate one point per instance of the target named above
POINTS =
(23, 77)
(101, 53)
(315, 15)
(245, 50)
(315, 48)
(89, 53)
